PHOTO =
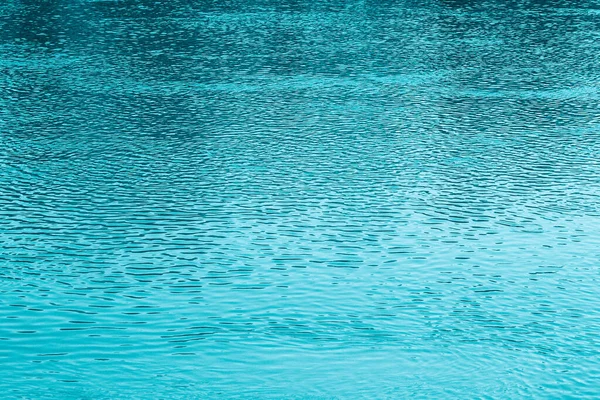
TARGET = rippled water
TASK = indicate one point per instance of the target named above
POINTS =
(271, 199)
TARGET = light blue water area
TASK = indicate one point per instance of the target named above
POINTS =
(298, 199)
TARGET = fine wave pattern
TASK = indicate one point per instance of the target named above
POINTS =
(299, 199)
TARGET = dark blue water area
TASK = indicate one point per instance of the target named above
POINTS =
(298, 199)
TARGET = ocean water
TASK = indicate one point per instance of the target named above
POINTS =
(299, 199)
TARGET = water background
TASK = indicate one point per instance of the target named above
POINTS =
(298, 199)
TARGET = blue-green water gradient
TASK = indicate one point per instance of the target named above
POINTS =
(298, 199)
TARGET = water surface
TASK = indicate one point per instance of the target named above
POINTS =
(283, 199)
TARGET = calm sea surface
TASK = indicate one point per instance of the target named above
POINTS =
(299, 199)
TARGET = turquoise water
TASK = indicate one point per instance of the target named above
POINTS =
(292, 199)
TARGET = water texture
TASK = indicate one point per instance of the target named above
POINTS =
(299, 199)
